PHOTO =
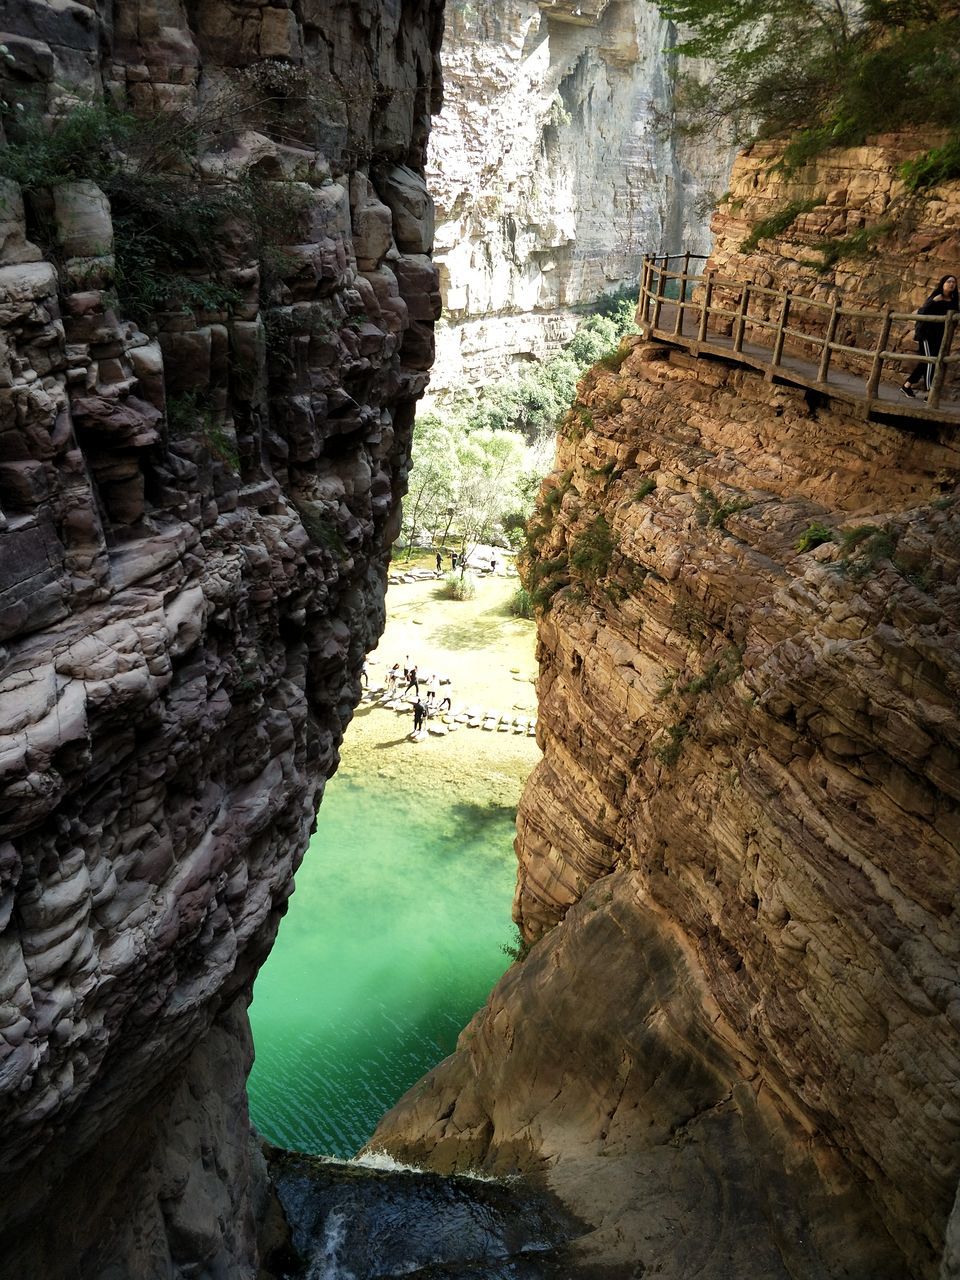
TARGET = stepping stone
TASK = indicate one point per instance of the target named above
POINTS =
(452, 728)
(504, 726)
(489, 724)
(474, 712)
(532, 731)
(520, 727)
(473, 722)
(438, 729)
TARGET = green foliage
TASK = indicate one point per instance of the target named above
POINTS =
(770, 228)
(521, 604)
(319, 527)
(545, 578)
(85, 143)
(458, 586)
(937, 165)
(190, 415)
(670, 746)
(864, 547)
(858, 244)
(518, 950)
(819, 72)
(644, 488)
(612, 360)
(712, 513)
(174, 232)
(721, 671)
(815, 535)
(592, 550)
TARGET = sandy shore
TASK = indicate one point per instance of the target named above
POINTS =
(488, 656)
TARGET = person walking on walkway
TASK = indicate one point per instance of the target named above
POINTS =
(412, 682)
(929, 336)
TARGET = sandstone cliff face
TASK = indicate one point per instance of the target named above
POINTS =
(184, 610)
(751, 755)
(551, 173)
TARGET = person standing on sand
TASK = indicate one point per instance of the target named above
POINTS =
(439, 563)
(412, 682)
(419, 712)
(929, 336)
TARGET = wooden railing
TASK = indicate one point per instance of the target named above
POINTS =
(727, 309)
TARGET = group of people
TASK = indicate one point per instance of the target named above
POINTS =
(401, 679)
(929, 334)
(454, 561)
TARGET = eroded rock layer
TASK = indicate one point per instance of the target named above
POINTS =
(743, 841)
(196, 519)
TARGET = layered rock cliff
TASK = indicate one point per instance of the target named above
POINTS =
(197, 509)
(554, 172)
(736, 1051)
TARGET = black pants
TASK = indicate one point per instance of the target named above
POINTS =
(923, 370)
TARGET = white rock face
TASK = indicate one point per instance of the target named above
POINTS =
(550, 174)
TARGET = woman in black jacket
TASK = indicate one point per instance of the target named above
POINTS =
(930, 336)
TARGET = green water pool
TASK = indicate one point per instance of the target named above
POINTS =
(392, 942)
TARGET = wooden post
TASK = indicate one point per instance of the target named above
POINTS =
(873, 381)
(658, 296)
(644, 309)
(741, 318)
(781, 326)
(678, 326)
(705, 306)
(940, 368)
(831, 337)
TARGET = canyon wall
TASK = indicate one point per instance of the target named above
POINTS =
(197, 508)
(735, 1050)
(554, 172)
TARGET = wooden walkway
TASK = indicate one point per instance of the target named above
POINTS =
(694, 319)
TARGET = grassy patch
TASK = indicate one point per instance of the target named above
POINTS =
(815, 535)
(865, 547)
(669, 747)
(774, 226)
(712, 513)
(939, 164)
(858, 244)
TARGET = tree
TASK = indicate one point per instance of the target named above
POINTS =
(828, 70)
(491, 467)
(433, 477)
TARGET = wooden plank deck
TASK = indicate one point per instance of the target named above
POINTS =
(796, 370)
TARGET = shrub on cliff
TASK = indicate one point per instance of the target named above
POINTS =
(816, 72)
(174, 231)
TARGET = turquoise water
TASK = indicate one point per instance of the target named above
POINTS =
(392, 942)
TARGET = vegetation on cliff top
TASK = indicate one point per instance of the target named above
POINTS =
(820, 73)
